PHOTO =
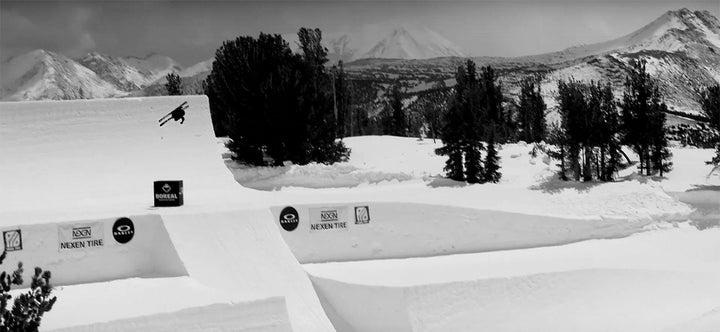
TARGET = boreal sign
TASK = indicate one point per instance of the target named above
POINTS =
(168, 193)
(289, 218)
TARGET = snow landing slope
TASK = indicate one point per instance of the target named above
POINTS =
(72, 162)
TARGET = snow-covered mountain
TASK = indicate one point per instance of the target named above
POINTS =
(681, 48)
(118, 71)
(158, 65)
(46, 75)
(420, 43)
(43, 74)
(384, 42)
(675, 31)
(198, 68)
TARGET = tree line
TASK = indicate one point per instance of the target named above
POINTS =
(277, 106)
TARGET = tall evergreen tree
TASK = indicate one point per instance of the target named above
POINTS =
(491, 172)
(588, 134)
(399, 121)
(275, 105)
(342, 90)
(531, 111)
(710, 101)
(173, 84)
(643, 115)
(452, 134)
(472, 129)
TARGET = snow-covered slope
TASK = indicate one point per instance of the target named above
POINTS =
(46, 75)
(421, 43)
(674, 31)
(157, 65)
(198, 68)
(681, 48)
(118, 71)
(385, 42)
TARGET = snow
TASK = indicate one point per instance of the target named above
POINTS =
(45, 75)
(158, 65)
(420, 43)
(200, 67)
(96, 160)
(384, 41)
(645, 282)
(536, 253)
(261, 316)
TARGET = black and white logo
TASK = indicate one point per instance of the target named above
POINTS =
(13, 240)
(166, 188)
(79, 233)
(362, 215)
(123, 230)
(289, 218)
(329, 215)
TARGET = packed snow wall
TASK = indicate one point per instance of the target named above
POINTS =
(85, 159)
(71, 169)
(377, 230)
(267, 315)
(98, 250)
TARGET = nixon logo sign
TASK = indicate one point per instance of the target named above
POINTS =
(168, 193)
(13, 240)
(289, 218)
(362, 215)
(123, 230)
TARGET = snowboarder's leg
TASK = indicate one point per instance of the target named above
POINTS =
(182, 120)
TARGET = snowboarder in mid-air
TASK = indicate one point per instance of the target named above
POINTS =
(177, 114)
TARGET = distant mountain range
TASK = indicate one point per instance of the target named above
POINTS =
(682, 49)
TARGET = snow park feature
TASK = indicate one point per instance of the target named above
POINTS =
(252, 249)
(79, 166)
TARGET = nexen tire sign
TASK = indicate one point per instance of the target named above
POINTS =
(328, 219)
(81, 236)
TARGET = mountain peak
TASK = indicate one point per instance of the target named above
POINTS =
(413, 43)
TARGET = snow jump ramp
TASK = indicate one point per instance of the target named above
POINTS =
(79, 166)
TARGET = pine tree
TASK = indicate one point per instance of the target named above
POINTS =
(452, 133)
(28, 308)
(491, 172)
(472, 128)
(452, 143)
(399, 125)
(342, 90)
(643, 115)
(275, 106)
(173, 84)
(531, 111)
(710, 101)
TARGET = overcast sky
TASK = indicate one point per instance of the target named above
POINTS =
(190, 31)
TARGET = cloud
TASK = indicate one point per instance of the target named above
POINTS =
(63, 29)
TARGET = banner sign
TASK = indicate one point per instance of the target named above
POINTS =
(362, 215)
(81, 236)
(329, 218)
(168, 193)
(13, 240)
